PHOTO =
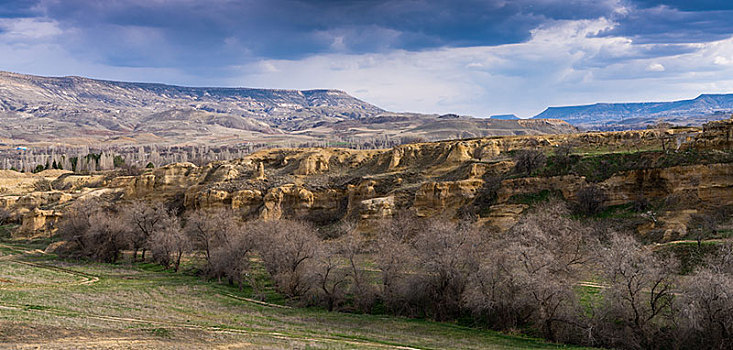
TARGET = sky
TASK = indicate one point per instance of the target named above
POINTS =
(470, 57)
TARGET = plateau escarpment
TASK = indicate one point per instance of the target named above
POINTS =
(454, 179)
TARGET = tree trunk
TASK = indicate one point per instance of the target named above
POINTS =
(178, 261)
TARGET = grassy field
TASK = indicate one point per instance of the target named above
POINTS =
(46, 302)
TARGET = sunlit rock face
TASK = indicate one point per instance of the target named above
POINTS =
(450, 179)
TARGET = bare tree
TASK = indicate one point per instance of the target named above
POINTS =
(493, 295)
(76, 222)
(144, 219)
(707, 308)
(562, 155)
(394, 257)
(168, 244)
(447, 254)
(231, 258)
(92, 231)
(286, 247)
(666, 139)
(702, 226)
(353, 246)
(104, 239)
(329, 276)
(539, 264)
(639, 296)
(210, 229)
(527, 161)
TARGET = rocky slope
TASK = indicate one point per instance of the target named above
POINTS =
(449, 178)
(76, 110)
(621, 116)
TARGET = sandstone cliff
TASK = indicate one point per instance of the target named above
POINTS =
(449, 178)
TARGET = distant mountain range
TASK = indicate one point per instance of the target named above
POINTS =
(77, 110)
(620, 116)
(504, 116)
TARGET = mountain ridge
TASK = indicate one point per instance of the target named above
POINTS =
(73, 110)
(635, 115)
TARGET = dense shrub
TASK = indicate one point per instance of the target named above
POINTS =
(527, 161)
(590, 200)
(94, 231)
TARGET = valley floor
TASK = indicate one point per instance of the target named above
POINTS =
(54, 304)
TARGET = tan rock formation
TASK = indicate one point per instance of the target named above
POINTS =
(315, 163)
(260, 171)
(286, 199)
(73, 181)
(444, 198)
(38, 222)
(247, 202)
(504, 216)
(376, 208)
(438, 178)
(8, 202)
(460, 152)
(715, 135)
(39, 199)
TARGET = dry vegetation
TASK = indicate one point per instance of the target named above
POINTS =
(142, 306)
(553, 275)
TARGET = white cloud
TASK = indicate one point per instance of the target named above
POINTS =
(27, 29)
(655, 67)
(565, 63)
(721, 60)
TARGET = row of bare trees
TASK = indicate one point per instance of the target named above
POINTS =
(102, 232)
(550, 275)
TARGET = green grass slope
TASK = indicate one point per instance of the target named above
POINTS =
(49, 303)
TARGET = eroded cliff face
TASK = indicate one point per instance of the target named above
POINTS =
(450, 179)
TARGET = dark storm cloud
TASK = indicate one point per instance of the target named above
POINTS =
(667, 24)
(17, 8)
(220, 32)
(688, 5)
(215, 39)
(225, 31)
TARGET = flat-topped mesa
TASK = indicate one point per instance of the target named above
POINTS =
(621, 116)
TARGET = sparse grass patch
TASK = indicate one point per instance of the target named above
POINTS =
(144, 302)
(689, 254)
(598, 165)
(161, 332)
(534, 198)
(623, 211)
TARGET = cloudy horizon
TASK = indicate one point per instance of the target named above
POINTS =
(470, 57)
